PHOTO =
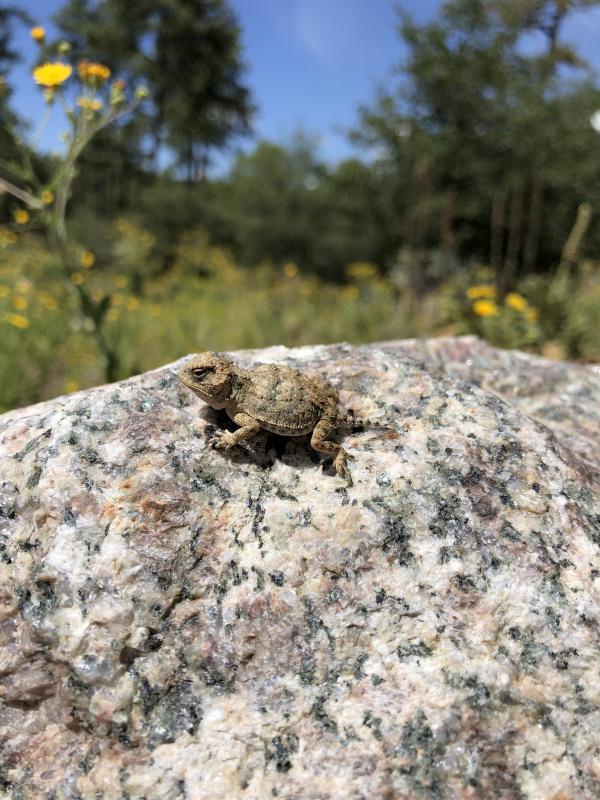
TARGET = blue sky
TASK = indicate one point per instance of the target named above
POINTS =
(310, 62)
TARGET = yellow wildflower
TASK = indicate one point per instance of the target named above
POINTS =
(7, 237)
(133, 303)
(48, 301)
(118, 299)
(54, 74)
(71, 386)
(89, 104)
(117, 92)
(91, 71)
(482, 291)
(4, 291)
(516, 301)
(21, 216)
(155, 310)
(17, 321)
(20, 303)
(78, 278)
(120, 281)
(112, 315)
(532, 315)
(38, 33)
(88, 259)
(350, 292)
(290, 270)
(361, 270)
(47, 197)
(485, 308)
(24, 286)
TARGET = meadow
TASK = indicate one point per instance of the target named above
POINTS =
(203, 300)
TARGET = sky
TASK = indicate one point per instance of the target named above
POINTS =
(310, 63)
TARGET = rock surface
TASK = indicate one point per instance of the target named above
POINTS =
(178, 622)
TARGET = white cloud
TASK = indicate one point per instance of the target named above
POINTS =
(328, 28)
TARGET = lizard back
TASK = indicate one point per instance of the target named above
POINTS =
(284, 400)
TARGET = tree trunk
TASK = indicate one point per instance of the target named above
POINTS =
(417, 222)
(571, 248)
(497, 232)
(513, 244)
(533, 227)
(446, 233)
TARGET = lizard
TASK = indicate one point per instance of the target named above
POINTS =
(271, 397)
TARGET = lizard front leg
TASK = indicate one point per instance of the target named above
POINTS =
(340, 456)
(225, 440)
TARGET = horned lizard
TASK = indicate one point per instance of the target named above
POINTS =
(272, 397)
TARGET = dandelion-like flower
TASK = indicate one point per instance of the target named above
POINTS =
(92, 71)
(7, 238)
(48, 301)
(20, 303)
(481, 291)
(47, 197)
(89, 104)
(18, 321)
(485, 308)
(516, 301)
(24, 286)
(38, 33)
(290, 270)
(532, 315)
(361, 271)
(78, 278)
(117, 95)
(21, 216)
(88, 259)
(54, 74)
(350, 292)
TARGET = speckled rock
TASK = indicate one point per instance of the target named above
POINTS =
(179, 622)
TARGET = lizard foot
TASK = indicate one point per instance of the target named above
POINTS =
(341, 465)
(223, 440)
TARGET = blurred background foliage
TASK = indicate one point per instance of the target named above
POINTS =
(474, 209)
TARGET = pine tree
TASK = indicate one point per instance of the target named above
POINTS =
(189, 54)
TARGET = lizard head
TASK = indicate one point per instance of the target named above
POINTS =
(209, 376)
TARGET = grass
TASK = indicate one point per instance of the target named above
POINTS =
(204, 301)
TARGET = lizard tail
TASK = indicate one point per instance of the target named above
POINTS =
(350, 420)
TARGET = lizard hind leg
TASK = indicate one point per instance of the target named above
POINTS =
(320, 443)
